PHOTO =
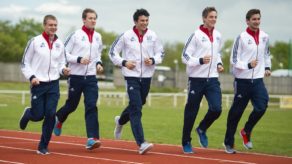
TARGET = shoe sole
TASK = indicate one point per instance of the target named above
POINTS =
(246, 147)
(146, 150)
(94, 146)
(40, 153)
(115, 136)
(228, 152)
(188, 152)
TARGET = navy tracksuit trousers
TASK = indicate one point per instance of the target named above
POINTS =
(197, 88)
(88, 86)
(44, 101)
(137, 89)
(245, 90)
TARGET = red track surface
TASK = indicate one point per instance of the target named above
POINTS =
(20, 147)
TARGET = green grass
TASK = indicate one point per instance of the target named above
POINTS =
(162, 123)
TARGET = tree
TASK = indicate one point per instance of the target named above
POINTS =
(279, 54)
(173, 53)
(13, 38)
(225, 55)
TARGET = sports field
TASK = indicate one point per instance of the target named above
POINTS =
(162, 123)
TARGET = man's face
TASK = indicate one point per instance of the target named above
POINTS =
(142, 23)
(90, 20)
(210, 20)
(51, 27)
(254, 22)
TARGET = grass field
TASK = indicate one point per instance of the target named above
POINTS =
(162, 123)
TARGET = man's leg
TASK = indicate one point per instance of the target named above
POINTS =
(259, 100)
(51, 101)
(240, 101)
(192, 106)
(91, 113)
(74, 94)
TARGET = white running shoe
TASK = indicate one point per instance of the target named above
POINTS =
(145, 147)
(118, 128)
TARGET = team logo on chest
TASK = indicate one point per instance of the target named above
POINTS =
(149, 38)
(58, 46)
(204, 39)
(249, 41)
(83, 38)
(42, 45)
(132, 39)
(264, 39)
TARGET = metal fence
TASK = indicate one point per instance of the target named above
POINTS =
(164, 100)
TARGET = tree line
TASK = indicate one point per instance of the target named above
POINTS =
(14, 37)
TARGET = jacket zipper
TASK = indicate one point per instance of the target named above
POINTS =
(210, 61)
(141, 61)
(253, 68)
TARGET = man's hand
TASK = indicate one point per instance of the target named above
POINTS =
(220, 68)
(99, 68)
(254, 63)
(66, 71)
(35, 81)
(85, 60)
(130, 64)
(148, 61)
(268, 73)
(206, 59)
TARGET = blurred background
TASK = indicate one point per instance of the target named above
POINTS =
(173, 21)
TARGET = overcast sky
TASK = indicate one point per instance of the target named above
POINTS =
(172, 20)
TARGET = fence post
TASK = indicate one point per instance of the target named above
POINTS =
(174, 100)
(149, 99)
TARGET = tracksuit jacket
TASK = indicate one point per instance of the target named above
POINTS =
(249, 46)
(133, 48)
(77, 47)
(37, 63)
(199, 45)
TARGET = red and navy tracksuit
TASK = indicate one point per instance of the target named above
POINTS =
(248, 82)
(203, 79)
(136, 47)
(45, 61)
(88, 44)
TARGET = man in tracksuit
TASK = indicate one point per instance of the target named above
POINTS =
(202, 56)
(83, 50)
(42, 63)
(251, 61)
(141, 51)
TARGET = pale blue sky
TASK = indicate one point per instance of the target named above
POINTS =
(172, 20)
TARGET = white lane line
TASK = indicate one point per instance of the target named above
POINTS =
(112, 140)
(2, 161)
(72, 155)
(131, 150)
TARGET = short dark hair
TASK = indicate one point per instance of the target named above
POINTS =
(47, 17)
(207, 10)
(140, 12)
(87, 10)
(252, 12)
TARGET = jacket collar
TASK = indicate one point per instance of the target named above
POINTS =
(47, 38)
(138, 35)
(207, 32)
(89, 32)
(254, 34)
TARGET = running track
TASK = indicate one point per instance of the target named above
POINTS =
(18, 147)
